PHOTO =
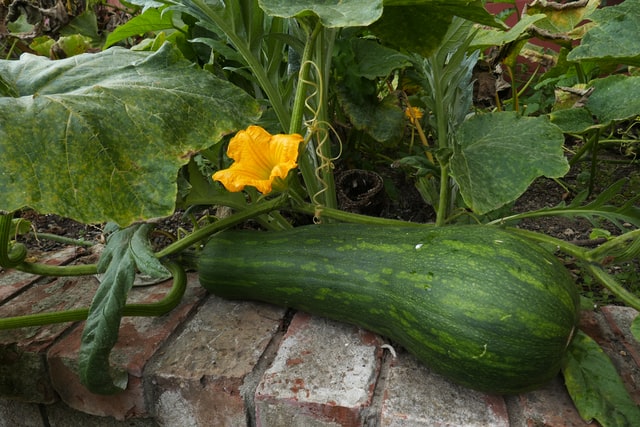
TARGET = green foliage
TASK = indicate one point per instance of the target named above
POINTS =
(345, 13)
(595, 387)
(112, 145)
(127, 251)
(129, 135)
(613, 37)
(498, 156)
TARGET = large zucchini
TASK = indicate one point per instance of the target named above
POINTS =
(478, 304)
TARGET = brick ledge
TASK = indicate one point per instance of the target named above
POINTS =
(212, 362)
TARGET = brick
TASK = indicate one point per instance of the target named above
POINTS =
(14, 413)
(198, 378)
(139, 338)
(415, 396)
(627, 349)
(14, 281)
(609, 327)
(548, 406)
(24, 373)
(60, 415)
(323, 375)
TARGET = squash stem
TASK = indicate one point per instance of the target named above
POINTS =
(350, 217)
(612, 284)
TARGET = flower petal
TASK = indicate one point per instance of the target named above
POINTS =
(260, 158)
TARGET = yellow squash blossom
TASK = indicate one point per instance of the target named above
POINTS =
(413, 114)
(259, 159)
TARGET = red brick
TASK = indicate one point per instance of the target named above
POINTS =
(324, 374)
(13, 281)
(549, 406)
(414, 396)
(139, 339)
(199, 377)
(24, 371)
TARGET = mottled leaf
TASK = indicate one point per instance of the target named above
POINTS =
(374, 60)
(101, 137)
(614, 98)
(614, 37)
(406, 28)
(332, 13)
(498, 155)
(565, 18)
(595, 385)
(472, 10)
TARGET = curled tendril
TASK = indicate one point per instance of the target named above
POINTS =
(320, 129)
(10, 255)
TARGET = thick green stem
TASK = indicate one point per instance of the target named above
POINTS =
(254, 64)
(57, 270)
(15, 258)
(564, 246)
(297, 114)
(442, 122)
(168, 303)
(306, 162)
(342, 216)
(612, 284)
(9, 257)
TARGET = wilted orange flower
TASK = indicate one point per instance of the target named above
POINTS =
(259, 159)
(413, 114)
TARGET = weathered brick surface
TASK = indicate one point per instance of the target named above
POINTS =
(12, 281)
(414, 396)
(198, 378)
(24, 367)
(139, 339)
(609, 327)
(324, 374)
(212, 362)
(16, 413)
(549, 406)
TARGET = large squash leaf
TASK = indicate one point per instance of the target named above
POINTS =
(595, 385)
(615, 98)
(614, 36)
(332, 14)
(499, 154)
(101, 137)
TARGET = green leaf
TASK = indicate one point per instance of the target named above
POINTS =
(635, 328)
(500, 154)
(146, 261)
(573, 120)
(373, 60)
(85, 24)
(332, 13)
(486, 37)
(595, 385)
(614, 37)
(383, 120)
(564, 18)
(101, 137)
(404, 28)
(149, 21)
(614, 98)
(472, 10)
(100, 333)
